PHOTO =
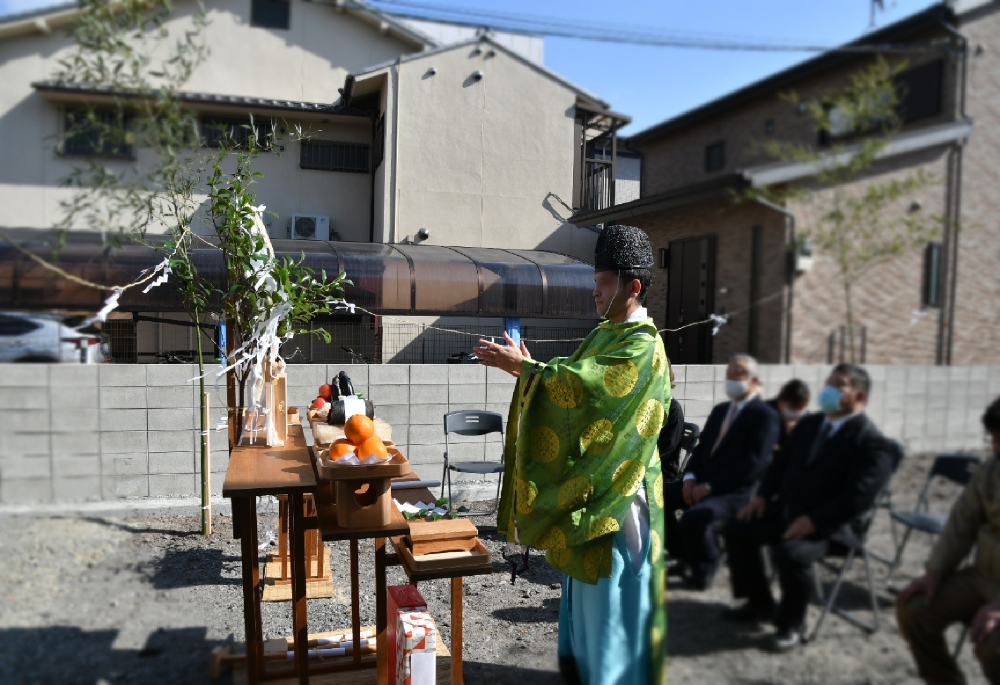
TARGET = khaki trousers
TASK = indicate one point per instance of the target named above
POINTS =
(923, 626)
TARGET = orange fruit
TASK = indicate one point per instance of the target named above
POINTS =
(318, 403)
(373, 446)
(341, 448)
(359, 428)
(326, 391)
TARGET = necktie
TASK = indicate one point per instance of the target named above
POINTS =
(726, 424)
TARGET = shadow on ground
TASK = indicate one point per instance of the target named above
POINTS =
(547, 613)
(501, 674)
(688, 622)
(189, 567)
(68, 656)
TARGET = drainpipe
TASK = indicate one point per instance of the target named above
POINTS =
(791, 276)
(946, 321)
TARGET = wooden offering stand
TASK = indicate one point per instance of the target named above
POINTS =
(291, 472)
(277, 571)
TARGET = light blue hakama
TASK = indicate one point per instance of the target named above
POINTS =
(605, 628)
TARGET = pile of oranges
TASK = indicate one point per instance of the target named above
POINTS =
(360, 438)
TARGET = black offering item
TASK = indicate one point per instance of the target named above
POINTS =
(338, 415)
(344, 383)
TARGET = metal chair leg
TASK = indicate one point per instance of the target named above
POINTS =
(899, 556)
(449, 491)
(871, 590)
(828, 605)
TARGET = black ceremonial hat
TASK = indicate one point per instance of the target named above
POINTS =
(621, 248)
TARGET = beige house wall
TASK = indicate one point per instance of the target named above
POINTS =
(306, 63)
(482, 163)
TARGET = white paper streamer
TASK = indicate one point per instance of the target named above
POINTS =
(718, 322)
(162, 278)
(110, 304)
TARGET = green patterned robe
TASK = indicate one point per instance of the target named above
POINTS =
(581, 440)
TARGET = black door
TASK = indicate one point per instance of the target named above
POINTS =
(690, 289)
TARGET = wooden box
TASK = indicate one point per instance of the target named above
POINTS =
(445, 535)
(478, 557)
(363, 503)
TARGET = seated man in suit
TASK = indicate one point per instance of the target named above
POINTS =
(791, 403)
(734, 450)
(829, 472)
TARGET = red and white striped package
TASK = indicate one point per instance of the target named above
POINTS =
(412, 638)
(416, 647)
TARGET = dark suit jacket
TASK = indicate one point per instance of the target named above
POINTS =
(744, 452)
(669, 442)
(834, 484)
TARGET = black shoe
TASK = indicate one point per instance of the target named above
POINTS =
(750, 613)
(787, 640)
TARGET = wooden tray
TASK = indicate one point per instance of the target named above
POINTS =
(446, 561)
(445, 535)
(395, 466)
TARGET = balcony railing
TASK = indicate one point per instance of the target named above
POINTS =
(598, 185)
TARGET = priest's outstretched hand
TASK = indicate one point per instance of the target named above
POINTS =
(508, 357)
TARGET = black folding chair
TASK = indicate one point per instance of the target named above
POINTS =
(853, 542)
(957, 468)
(884, 501)
(471, 422)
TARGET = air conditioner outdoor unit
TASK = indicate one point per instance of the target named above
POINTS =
(309, 227)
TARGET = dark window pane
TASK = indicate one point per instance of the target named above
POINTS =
(715, 156)
(15, 325)
(97, 133)
(932, 275)
(327, 155)
(920, 91)
(270, 14)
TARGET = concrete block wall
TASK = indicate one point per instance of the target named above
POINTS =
(102, 432)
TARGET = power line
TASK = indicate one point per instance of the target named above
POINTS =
(618, 33)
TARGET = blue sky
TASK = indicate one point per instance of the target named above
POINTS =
(654, 83)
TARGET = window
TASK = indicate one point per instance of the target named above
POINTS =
(715, 156)
(932, 275)
(327, 155)
(233, 132)
(15, 325)
(920, 91)
(270, 14)
(96, 133)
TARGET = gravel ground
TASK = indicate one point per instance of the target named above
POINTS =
(145, 598)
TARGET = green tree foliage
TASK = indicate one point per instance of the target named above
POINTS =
(856, 219)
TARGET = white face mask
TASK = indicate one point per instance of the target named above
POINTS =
(736, 389)
(791, 414)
